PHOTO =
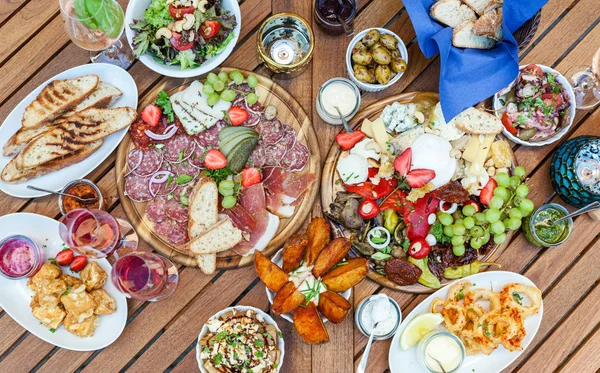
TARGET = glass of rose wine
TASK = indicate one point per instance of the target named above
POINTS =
(97, 26)
(585, 81)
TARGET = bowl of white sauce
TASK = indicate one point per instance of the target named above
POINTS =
(444, 347)
(338, 92)
(385, 329)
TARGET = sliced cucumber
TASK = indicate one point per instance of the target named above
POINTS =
(229, 131)
(238, 157)
(226, 146)
(236, 135)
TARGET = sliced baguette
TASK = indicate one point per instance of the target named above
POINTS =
(74, 133)
(203, 213)
(220, 237)
(477, 122)
(11, 174)
(58, 97)
(490, 25)
(452, 13)
(463, 37)
(104, 96)
(478, 6)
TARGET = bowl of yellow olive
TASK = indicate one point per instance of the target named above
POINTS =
(376, 59)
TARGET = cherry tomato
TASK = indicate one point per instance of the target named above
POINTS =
(178, 13)
(552, 99)
(419, 248)
(210, 29)
(508, 124)
(534, 69)
(177, 44)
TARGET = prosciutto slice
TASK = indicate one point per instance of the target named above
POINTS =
(253, 198)
(283, 189)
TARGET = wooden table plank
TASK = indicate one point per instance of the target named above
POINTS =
(586, 359)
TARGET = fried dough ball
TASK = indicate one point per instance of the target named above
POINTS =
(79, 303)
(84, 328)
(105, 305)
(93, 276)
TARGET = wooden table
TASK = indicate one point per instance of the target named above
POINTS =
(161, 336)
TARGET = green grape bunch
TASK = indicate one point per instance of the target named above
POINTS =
(217, 87)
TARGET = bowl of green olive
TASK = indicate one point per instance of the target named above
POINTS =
(376, 59)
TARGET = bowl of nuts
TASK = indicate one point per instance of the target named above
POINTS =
(376, 59)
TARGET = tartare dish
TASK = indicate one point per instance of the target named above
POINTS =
(537, 108)
(240, 339)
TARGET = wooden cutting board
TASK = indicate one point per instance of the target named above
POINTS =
(289, 111)
(331, 184)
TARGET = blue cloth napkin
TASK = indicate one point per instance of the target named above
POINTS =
(469, 76)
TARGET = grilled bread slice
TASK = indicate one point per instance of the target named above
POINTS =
(203, 214)
(11, 174)
(220, 237)
(58, 97)
(73, 134)
(104, 96)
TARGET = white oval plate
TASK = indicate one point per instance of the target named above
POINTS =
(407, 361)
(135, 10)
(15, 296)
(56, 180)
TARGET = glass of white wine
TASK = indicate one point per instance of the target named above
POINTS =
(586, 83)
(97, 26)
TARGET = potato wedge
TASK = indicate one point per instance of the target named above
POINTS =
(319, 235)
(269, 273)
(333, 306)
(287, 299)
(331, 255)
(345, 276)
(309, 325)
(293, 252)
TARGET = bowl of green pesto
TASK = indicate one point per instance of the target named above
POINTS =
(542, 231)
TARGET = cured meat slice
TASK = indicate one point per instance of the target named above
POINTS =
(150, 163)
(271, 131)
(155, 210)
(261, 218)
(296, 158)
(210, 137)
(163, 189)
(284, 189)
(241, 218)
(273, 179)
(178, 234)
(289, 137)
(176, 211)
(274, 154)
(258, 158)
(185, 168)
(253, 198)
(136, 188)
(197, 159)
(295, 184)
(178, 148)
(163, 228)
(452, 192)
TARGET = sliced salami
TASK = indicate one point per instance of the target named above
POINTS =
(197, 159)
(164, 227)
(178, 148)
(185, 168)
(176, 211)
(136, 187)
(258, 157)
(151, 161)
(289, 137)
(178, 234)
(156, 210)
(274, 154)
(165, 188)
(210, 137)
(271, 131)
(296, 158)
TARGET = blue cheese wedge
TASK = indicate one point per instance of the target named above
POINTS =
(399, 117)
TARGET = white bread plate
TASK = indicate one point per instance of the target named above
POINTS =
(56, 180)
(278, 259)
(268, 319)
(135, 10)
(563, 130)
(368, 87)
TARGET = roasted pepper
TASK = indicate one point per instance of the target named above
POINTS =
(427, 278)
(390, 220)
(452, 273)
(368, 209)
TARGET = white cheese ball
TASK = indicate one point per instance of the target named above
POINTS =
(353, 169)
(433, 153)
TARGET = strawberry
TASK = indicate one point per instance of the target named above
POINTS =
(419, 177)
(65, 257)
(402, 163)
(347, 140)
(79, 263)
(251, 176)
(488, 192)
(151, 115)
(237, 115)
(215, 160)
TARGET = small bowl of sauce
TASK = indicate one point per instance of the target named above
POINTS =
(327, 11)
(81, 188)
(338, 92)
(20, 257)
(385, 329)
(444, 347)
(542, 232)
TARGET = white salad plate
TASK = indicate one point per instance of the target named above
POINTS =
(15, 296)
(407, 361)
(56, 180)
(135, 11)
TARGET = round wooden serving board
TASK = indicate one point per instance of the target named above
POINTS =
(331, 184)
(290, 112)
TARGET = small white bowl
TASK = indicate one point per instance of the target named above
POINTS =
(278, 259)
(563, 130)
(268, 319)
(136, 8)
(368, 86)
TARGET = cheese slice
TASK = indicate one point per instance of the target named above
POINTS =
(380, 134)
(367, 128)
(483, 150)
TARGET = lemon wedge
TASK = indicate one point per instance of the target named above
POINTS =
(418, 327)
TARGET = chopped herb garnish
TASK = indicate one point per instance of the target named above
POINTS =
(518, 298)
(183, 179)
(169, 180)
(218, 358)
(258, 343)
(52, 330)
(170, 196)
(53, 261)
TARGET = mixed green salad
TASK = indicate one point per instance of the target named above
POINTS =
(184, 32)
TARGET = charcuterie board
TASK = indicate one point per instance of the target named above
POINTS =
(289, 112)
(331, 184)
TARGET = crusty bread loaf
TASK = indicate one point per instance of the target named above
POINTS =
(103, 96)
(463, 37)
(452, 13)
(477, 122)
(220, 237)
(203, 214)
(490, 25)
(11, 174)
(74, 133)
(58, 97)
(478, 6)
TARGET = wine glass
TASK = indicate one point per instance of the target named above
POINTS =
(145, 276)
(97, 234)
(97, 25)
(586, 83)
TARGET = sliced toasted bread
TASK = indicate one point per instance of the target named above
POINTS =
(203, 213)
(478, 6)
(490, 25)
(11, 174)
(74, 133)
(452, 13)
(477, 122)
(58, 97)
(104, 96)
(463, 37)
(220, 237)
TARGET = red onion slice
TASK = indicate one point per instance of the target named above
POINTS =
(138, 163)
(250, 110)
(167, 134)
(158, 178)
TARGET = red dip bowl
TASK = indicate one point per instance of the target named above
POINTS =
(20, 257)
